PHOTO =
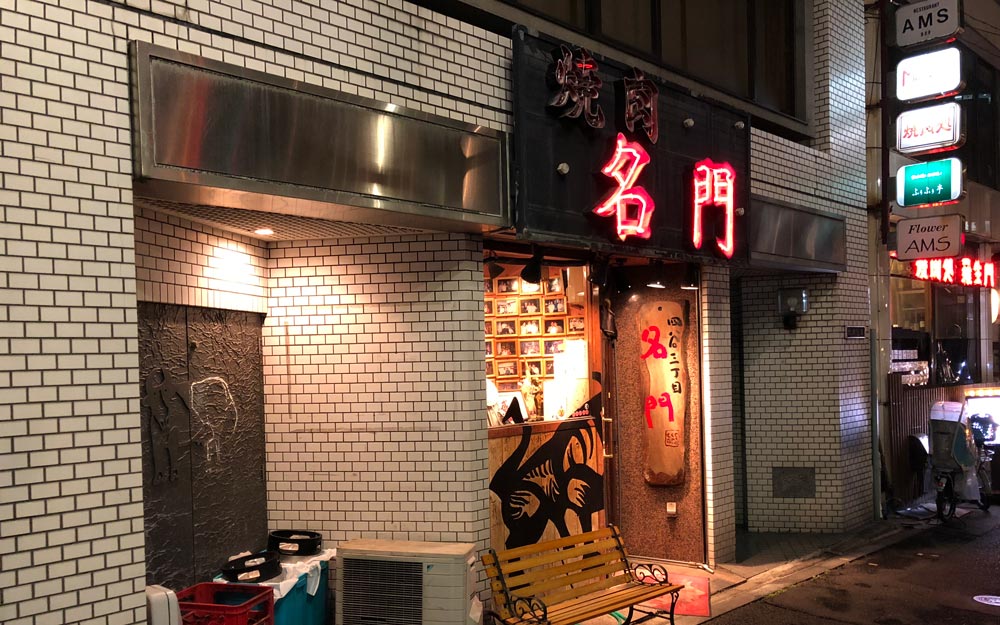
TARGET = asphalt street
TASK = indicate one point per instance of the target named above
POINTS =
(929, 578)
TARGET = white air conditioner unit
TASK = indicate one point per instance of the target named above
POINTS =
(395, 582)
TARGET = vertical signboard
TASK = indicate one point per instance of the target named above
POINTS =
(930, 75)
(930, 129)
(931, 183)
(926, 21)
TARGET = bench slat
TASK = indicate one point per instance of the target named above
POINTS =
(588, 607)
(558, 543)
(545, 588)
(568, 568)
(548, 557)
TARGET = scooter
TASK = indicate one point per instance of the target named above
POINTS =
(960, 459)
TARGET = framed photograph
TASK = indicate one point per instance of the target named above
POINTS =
(530, 326)
(487, 285)
(528, 288)
(489, 368)
(489, 327)
(488, 307)
(506, 307)
(489, 349)
(555, 325)
(533, 368)
(553, 284)
(575, 325)
(531, 306)
(506, 368)
(505, 327)
(530, 347)
(507, 285)
(555, 305)
(550, 367)
(505, 349)
(508, 387)
(554, 347)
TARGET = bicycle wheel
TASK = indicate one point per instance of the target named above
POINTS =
(946, 501)
(985, 488)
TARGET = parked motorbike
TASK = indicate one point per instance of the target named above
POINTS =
(960, 458)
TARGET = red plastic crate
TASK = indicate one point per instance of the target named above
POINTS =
(212, 603)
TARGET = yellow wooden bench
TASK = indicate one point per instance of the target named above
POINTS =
(569, 580)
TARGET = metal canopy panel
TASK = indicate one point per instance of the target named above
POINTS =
(791, 237)
(202, 122)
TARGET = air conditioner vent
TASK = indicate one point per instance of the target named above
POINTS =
(378, 592)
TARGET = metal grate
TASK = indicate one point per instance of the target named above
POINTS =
(377, 592)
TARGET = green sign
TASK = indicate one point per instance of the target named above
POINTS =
(923, 184)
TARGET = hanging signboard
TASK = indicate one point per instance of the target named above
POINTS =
(663, 325)
(926, 21)
(930, 129)
(929, 237)
(930, 75)
(929, 184)
(963, 271)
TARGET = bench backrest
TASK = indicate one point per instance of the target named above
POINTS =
(557, 570)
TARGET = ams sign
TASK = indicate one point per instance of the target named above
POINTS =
(920, 22)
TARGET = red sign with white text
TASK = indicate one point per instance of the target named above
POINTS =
(963, 271)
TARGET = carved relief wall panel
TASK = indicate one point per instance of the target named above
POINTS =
(202, 439)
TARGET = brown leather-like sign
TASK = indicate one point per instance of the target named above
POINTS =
(662, 328)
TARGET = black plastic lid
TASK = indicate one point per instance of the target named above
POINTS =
(254, 568)
(295, 542)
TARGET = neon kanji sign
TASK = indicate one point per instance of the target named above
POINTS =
(713, 186)
(579, 86)
(625, 166)
(640, 104)
(964, 271)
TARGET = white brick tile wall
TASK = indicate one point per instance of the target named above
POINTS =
(375, 389)
(806, 390)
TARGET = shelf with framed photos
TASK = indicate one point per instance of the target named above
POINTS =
(528, 324)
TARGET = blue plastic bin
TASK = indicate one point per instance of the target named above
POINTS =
(298, 607)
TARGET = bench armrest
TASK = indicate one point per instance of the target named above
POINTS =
(650, 573)
(529, 608)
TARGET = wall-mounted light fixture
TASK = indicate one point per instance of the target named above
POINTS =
(493, 268)
(792, 303)
(532, 271)
(692, 277)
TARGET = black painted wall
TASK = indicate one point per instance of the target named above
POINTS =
(202, 414)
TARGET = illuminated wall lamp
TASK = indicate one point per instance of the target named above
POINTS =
(692, 278)
(655, 281)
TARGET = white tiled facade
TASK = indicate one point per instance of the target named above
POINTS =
(807, 390)
(364, 436)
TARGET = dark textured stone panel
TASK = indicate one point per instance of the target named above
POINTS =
(793, 482)
(203, 440)
(227, 435)
(166, 430)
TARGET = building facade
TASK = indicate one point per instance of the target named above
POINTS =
(373, 384)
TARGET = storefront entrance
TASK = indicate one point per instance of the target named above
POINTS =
(658, 474)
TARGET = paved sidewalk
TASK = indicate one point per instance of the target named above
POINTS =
(734, 585)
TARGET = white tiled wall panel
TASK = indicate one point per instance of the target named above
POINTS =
(375, 390)
(807, 390)
(71, 545)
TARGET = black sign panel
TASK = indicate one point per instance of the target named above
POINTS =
(572, 112)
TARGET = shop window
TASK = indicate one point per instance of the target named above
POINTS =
(540, 348)
(628, 21)
(956, 344)
(572, 12)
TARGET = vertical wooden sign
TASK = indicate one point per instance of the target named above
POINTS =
(662, 330)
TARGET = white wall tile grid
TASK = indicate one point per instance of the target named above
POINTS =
(71, 544)
(807, 390)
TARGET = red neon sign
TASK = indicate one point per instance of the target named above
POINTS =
(625, 166)
(713, 185)
(964, 271)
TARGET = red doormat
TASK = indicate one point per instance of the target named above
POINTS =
(694, 598)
